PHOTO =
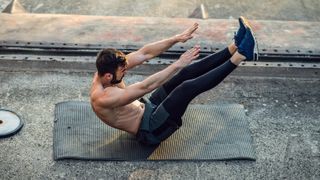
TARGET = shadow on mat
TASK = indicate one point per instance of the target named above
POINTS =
(115, 148)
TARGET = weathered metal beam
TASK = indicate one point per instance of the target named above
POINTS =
(69, 49)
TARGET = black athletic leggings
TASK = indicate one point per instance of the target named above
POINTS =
(192, 81)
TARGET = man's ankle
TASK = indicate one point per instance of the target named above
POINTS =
(237, 58)
(232, 48)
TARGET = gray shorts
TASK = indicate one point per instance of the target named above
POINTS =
(155, 125)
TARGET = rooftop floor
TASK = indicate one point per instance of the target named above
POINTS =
(283, 116)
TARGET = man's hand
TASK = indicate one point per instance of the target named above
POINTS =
(152, 50)
(187, 34)
(190, 55)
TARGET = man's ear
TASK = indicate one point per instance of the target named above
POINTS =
(108, 76)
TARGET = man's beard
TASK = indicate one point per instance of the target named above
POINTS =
(115, 81)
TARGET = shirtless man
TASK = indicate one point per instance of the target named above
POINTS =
(154, 119)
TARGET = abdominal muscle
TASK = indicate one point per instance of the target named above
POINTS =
(126, 118)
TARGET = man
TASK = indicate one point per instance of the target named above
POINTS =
(154, 119)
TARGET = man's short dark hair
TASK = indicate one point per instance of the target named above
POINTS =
(108, 60)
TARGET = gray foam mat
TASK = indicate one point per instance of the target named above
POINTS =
(209, 132)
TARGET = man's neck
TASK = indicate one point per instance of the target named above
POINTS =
(105, 83)
(108, 84)
(121, 85)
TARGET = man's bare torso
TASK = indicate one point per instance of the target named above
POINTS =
(127, 117)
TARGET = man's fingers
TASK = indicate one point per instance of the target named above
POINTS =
(195, 57)
(193, 28)
(194, 48)
(194, 51)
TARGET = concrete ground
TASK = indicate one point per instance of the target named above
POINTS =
(283, 116)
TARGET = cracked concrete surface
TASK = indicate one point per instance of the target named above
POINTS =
(283, 117)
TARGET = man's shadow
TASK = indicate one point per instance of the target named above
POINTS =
(123, 146)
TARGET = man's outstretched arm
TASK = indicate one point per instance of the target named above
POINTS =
(152, 50)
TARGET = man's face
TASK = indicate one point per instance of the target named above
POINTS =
(118, 76)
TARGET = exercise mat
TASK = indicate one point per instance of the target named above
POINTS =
(209, 132)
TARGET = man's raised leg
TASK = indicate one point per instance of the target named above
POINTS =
(192, 71)
(176, 103)
(178, 100)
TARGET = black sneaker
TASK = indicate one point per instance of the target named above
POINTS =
(241, 31)
(247, 46)
(244, 21)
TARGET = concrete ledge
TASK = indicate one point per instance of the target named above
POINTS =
(140, 30)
